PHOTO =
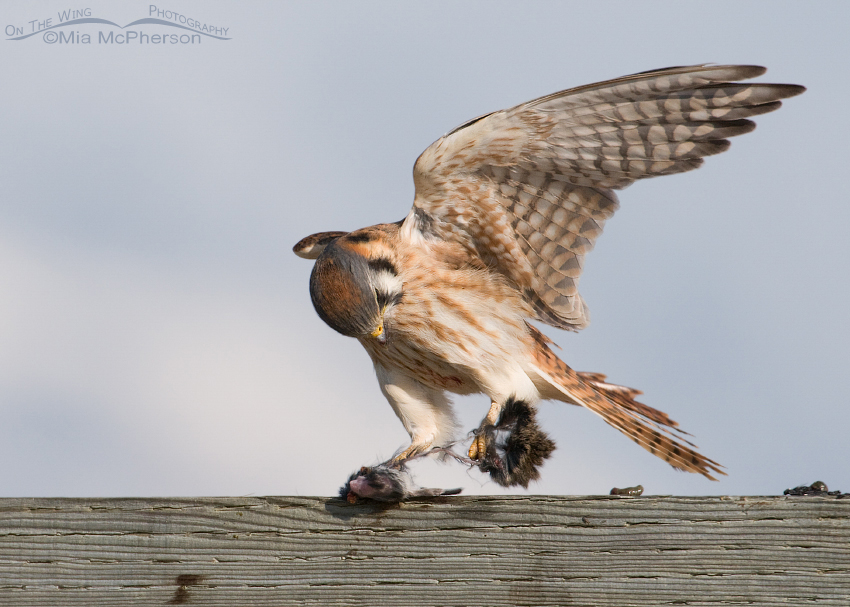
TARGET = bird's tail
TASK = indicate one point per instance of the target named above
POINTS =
(651, 429)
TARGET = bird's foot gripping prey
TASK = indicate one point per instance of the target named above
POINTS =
(506, 208)
(514, 447)
(512, 450)
(478, 448)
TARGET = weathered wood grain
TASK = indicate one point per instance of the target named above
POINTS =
(464, 551)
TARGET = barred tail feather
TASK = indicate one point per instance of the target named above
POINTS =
(625, 397)
(651, 429)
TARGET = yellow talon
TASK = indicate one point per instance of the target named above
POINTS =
(412, 451)
(477, 448)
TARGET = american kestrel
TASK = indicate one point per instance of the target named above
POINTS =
(507, 205)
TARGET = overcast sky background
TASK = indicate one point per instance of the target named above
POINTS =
(156, 332)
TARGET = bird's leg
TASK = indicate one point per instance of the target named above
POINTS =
(426, 413)
(412, 451)
(479, 444)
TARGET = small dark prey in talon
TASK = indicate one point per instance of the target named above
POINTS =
(515, 446)
(633, 491)
(386, 483)
(817, 488)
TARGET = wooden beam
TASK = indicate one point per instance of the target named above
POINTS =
(464, 551)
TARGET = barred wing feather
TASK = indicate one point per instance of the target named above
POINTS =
(528, 190)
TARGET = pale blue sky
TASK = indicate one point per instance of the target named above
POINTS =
(156, 333)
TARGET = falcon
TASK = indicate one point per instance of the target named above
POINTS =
(507, 206)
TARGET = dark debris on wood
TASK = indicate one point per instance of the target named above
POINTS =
(818, 488)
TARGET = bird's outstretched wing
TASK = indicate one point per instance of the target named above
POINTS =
(527, 190)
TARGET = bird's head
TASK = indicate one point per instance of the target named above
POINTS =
(353, 290)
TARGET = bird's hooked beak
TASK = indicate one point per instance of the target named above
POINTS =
(379, 334)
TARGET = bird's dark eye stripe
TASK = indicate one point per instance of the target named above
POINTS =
(386, 299)
(382, 264)
(364, 237)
